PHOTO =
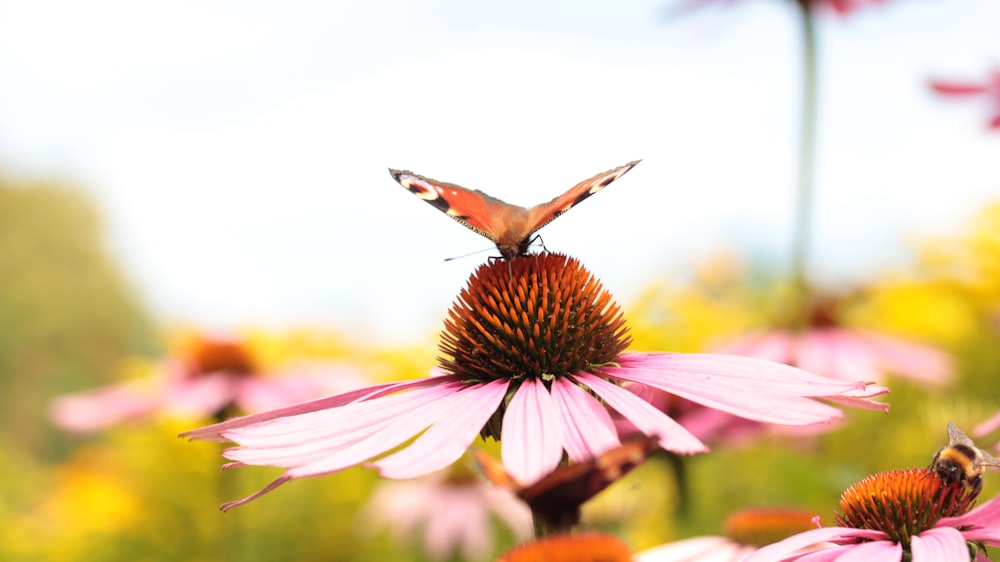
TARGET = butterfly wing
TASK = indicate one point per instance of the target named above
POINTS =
(478, 211)
(509, 226)
(542, 214)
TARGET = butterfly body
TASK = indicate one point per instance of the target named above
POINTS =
(509, 226)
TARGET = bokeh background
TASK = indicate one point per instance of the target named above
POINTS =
(169, 169)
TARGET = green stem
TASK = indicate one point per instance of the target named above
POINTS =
(807, 149)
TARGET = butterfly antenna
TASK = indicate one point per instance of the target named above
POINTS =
(469, 254)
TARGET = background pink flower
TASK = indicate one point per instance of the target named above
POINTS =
(988, 88)
(212, 377)
(451, 512)
(847, 354)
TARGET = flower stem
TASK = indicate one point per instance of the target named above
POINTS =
(807, 149)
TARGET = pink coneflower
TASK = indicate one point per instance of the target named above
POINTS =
(828, 348)
(911, 515)
(533, 355)
(988, 88)
(210, 377)
(745, 531)
(451, 511)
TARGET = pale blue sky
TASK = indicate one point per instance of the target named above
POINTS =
(240, 148)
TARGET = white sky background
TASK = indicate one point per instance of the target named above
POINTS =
(239, 149)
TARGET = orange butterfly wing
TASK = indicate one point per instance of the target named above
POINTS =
(508, 226)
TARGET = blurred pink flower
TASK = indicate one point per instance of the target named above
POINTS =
(987, 427)
(534, 356)
(212, 377)
(745, 529)
(988, 88)
(697, 549)
(840, 7)
(910, 515)
(845, 353)
(451, 511)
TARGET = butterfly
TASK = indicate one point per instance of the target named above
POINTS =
(510, 227)
(558, 496)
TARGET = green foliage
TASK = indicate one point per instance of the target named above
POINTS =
(67, 315)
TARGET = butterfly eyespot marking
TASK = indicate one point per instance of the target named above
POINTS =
(508, 226)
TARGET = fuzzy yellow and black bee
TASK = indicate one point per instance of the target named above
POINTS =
(962, 461)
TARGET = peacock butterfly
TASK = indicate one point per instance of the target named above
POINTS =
(558, 496)
(510, 227)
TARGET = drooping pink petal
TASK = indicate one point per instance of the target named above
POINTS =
(588, 429)
(461, 416)
(785, 548)
(941, 543)
(531, 437)
(749, 372)
(861, 398)
(748, 387)
(645, 417)
(270, 487)
(332, 435)
(214, 432)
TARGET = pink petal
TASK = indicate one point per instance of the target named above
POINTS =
(214, 432)
(782, 549)
(274, 484)
(645, 417)
(987, 426)
(588, 429)
(100, 408)
(874, 552)
(916, 361)
(940, 543)
(262, 393)
(363, 428)
(837, 353)
(461, 417)
(950, 88)
(861, 398)
(751, 388)
(200, 396)
(773, 346)
(986, 515)
(531, 437)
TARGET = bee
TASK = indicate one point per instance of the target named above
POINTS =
(962, 461)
